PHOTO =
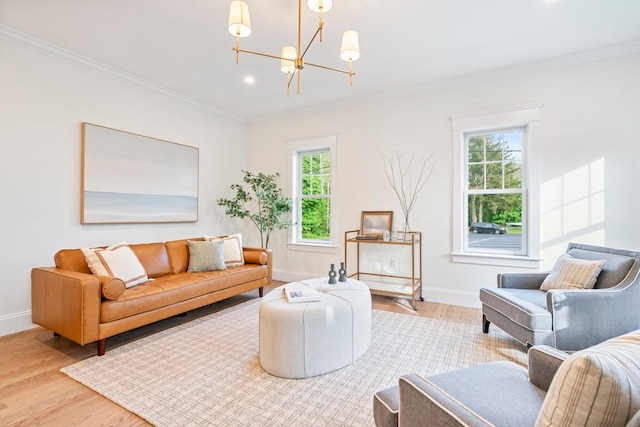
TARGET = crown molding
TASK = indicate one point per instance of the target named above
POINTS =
(524, 68)
(57, 52)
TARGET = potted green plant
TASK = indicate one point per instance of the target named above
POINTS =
(262, 202)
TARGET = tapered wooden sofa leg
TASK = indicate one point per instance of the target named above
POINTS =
(261, 292)
(102, 347)
(485, 324)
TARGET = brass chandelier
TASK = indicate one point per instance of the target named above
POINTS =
(291, 60)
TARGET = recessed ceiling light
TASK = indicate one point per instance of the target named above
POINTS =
(249, 80)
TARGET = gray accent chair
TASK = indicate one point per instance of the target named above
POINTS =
(596, 385)
(498, 393)
(568, 320)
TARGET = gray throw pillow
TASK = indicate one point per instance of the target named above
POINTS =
(206, 256)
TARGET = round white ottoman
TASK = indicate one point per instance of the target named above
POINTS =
(305, 339)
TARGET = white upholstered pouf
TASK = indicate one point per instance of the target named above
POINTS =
(300, 340)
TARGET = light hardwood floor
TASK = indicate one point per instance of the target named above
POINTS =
(33, 391)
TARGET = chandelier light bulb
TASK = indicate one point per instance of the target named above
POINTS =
(350, 49)
(288, 65)
(318, 5)
(239, 20)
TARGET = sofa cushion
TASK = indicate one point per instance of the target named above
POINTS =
(116, 261)
(233, 255)
(572, 273)
(153, 257)
(526, 307)
(598, 386)
(206, 256)
(178, 251)
(71, 259)
(177, 288)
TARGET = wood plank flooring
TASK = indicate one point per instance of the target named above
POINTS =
(34, 393)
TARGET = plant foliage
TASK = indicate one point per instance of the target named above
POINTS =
(261, 200)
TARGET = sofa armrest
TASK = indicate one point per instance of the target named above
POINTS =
(544, 361)
(422, 401)
(251, 253)
(521, 280)
(66, 302)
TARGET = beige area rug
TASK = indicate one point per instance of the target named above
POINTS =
(207, 372)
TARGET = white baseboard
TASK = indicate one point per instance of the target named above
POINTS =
(292, 276)
(439, 295)
(451, 297)
(16, 322)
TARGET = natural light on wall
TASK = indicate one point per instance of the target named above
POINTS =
(573, 206)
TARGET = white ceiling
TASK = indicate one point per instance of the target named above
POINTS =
(185, 47)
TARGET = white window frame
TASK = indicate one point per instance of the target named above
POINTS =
(296, 147)
(524, 116)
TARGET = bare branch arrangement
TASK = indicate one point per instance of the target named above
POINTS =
(398, 171)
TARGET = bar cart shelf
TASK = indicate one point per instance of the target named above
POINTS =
(394, 285)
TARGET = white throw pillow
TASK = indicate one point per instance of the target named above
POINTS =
(598, 386)
(116, 261)
(572, 273)
(205, 256)
(233, 255)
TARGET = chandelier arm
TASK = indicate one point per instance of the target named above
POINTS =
(351, 73)
(259, 53)
(310, 42)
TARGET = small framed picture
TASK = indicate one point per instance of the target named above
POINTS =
(376, 222)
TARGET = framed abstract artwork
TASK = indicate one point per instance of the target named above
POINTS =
(130, 178)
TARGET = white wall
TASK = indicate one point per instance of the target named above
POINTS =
(589, 145)
(43, 102)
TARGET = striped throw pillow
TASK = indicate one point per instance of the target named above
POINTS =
(572, 273)
(598, 386)
(233, 254)
(116, 261)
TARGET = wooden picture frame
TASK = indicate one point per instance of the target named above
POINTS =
(376, 222)
(130, 178)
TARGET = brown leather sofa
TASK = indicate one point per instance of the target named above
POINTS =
(70, 301)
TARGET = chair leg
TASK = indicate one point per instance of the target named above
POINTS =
(485, 324)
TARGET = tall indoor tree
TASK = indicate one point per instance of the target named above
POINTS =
(262, 201)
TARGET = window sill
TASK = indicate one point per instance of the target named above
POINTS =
(493, 259)
(313, 247)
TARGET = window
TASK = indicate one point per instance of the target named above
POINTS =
(313, 177)
(496, 211)
(314, 196)
(495, 194)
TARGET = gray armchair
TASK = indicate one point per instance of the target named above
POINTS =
(568, 320)
(594, 387)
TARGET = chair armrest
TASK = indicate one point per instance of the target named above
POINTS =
(422, 401)
(66, 302)
(521, 280)
(594, 315)
(544, 361)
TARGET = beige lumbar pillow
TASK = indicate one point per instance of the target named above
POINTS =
(233, 255)
(598, 386)
(572, 273)
(116, 261)
(205, 256)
